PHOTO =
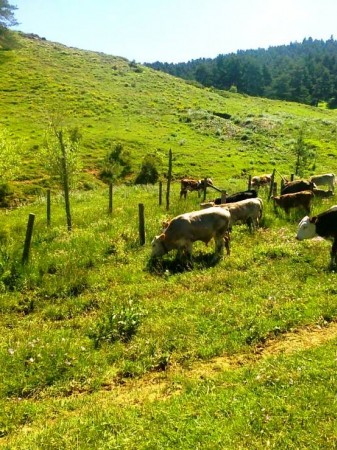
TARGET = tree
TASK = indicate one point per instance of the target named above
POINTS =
(116, 164)
(304, 155)
(61, 158)
(7, 18)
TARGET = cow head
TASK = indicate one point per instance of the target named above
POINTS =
(158, 246)
(306, 228)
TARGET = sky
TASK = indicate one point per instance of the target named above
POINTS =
(176, 30)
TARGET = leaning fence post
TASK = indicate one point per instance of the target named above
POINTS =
(110, 198)
(141, 224)
(29, 233)
(48, 207)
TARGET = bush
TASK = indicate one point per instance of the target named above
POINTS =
(148, 172)
(5, 191)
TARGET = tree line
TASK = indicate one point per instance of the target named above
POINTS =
(304, 72)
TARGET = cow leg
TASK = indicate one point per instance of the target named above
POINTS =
(227, 242)
(219, 246)
(333, 253)
(183, 192)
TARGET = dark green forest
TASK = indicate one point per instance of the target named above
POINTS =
(303, 72)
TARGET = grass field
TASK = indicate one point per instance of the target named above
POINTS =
(100, 351)
(99, 348)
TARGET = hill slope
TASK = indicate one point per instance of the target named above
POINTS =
(113, 100)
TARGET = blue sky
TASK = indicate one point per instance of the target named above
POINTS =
(176, 30)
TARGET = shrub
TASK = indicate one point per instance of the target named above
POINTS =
(148, 172)
(5, 191)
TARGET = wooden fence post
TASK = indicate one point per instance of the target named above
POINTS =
(271, 184)
(160, 192)
(282, 184)
(29, 233)
(292, 176)
(249, 182)
(110, 198)
(48, 208)
(141, 224)
(205, 188)
(223, 197)
(169, 176)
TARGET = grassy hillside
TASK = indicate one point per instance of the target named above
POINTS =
(113, 100)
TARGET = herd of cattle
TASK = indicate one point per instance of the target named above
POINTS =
(215, 218)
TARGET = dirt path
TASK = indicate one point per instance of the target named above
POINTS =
(161, 385)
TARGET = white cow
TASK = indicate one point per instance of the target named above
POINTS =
(185, 229)
(327, 179)
(247, 211)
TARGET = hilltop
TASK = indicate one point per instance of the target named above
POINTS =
(113, 100)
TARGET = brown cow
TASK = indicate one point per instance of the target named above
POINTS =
(185, 229)
(189, 184)
(296, 200)
(261, 181)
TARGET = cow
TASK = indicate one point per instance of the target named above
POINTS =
(327, 179)
(248, 211)
(324, 225)
(295, 200)
(185, 229)
(237, 197)
(297, 186)
(322, 193)
(189, 184)
(261, 181)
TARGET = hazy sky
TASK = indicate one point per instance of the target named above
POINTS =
(176, 30)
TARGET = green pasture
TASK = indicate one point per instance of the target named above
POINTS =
(88, 316)
(102, 349)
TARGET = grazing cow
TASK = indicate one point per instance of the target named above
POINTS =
(297, 186)
(243, 195)
(248, 211)
(322, 193)
(295, 200)
(188, 184)
(324, 225)
(187, 228)
(261, 181)
(328, 179)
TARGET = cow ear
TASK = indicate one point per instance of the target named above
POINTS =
(161, 237)
(313, 219)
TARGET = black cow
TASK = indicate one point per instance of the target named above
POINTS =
(324, 225)
(297, 186)
(233, 198)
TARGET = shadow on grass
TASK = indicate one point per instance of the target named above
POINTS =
(172, 266)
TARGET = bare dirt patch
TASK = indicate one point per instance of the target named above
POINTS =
(160, 386)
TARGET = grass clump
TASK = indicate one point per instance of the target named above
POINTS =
(118, 324)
